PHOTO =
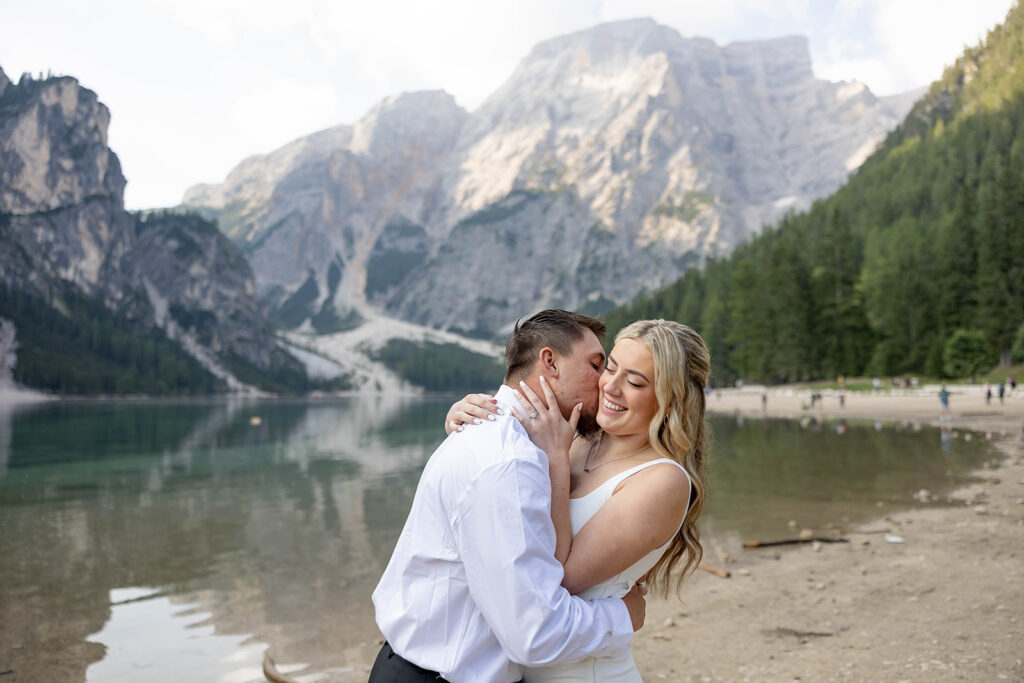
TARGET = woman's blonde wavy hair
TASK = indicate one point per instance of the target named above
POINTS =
(678, 431)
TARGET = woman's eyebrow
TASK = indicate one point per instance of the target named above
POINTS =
(637, 373)
(611, 359)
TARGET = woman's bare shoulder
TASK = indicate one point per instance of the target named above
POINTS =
(663, 478)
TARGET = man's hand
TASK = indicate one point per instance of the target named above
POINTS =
(636, 605)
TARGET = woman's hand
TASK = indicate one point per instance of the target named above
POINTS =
(551, 432)
(472, 409)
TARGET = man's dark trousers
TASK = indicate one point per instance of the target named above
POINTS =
(391, 667)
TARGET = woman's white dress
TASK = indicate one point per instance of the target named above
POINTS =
(618, 666)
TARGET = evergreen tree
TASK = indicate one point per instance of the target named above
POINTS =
(999, 282)
(958, 266)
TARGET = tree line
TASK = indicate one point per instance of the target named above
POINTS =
(84, 348)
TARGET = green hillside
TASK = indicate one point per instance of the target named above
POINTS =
(926, 239)
(79, 346)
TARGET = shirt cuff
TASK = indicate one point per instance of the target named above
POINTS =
(622, 625)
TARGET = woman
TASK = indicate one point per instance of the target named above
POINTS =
(625, 503)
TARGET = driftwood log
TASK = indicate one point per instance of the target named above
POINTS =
(714, 570)
(271, 672)
(793, 541)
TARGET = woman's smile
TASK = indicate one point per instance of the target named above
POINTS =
(606, 404)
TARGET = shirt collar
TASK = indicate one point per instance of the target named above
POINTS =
(506, 396)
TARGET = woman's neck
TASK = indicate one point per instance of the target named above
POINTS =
(614, 445)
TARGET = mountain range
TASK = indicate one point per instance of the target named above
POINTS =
(611, 160)
(609, 163)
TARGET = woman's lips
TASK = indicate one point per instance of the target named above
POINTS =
(612, 407)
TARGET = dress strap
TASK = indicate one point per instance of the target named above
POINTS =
(644, 465)
(625, 474)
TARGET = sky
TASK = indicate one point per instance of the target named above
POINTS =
(195, 86)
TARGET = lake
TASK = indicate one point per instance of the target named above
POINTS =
(169, 541)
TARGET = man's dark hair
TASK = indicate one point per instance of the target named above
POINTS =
(553, 328)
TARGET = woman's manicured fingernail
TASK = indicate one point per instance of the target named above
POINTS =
(500, 411)
(477, 421)
(491, 418)
(460, 428)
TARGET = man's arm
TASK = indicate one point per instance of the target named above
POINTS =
(506, 542)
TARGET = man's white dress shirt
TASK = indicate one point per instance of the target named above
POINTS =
(473, 589)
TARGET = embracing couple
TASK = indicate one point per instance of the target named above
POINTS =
(537, 522)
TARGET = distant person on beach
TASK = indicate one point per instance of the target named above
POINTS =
(637, 487)
(944, 399)
(988, 393)
(1001, 392)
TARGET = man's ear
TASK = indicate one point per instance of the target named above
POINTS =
(547, 362)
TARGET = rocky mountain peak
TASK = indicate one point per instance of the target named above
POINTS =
(53, 146)
(775, 62)
(608, 41)
(397, 120)
(252, 182)
(4, 81)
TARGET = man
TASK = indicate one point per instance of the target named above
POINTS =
(473, 590)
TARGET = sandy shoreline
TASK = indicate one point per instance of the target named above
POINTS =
(945, 604)
(968, 409)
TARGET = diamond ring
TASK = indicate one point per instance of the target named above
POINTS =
(533, 416)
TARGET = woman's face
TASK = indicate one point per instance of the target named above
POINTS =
(627, 396)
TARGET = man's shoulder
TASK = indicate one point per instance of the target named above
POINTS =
(487, 445)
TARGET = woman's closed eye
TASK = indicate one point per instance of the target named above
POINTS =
(633, 383)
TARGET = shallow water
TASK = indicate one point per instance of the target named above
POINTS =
(166, 541)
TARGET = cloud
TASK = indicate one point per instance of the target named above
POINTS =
(923, 37)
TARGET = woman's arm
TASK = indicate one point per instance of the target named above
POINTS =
(643, 514)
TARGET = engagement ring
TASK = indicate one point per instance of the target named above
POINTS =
(533, 416)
